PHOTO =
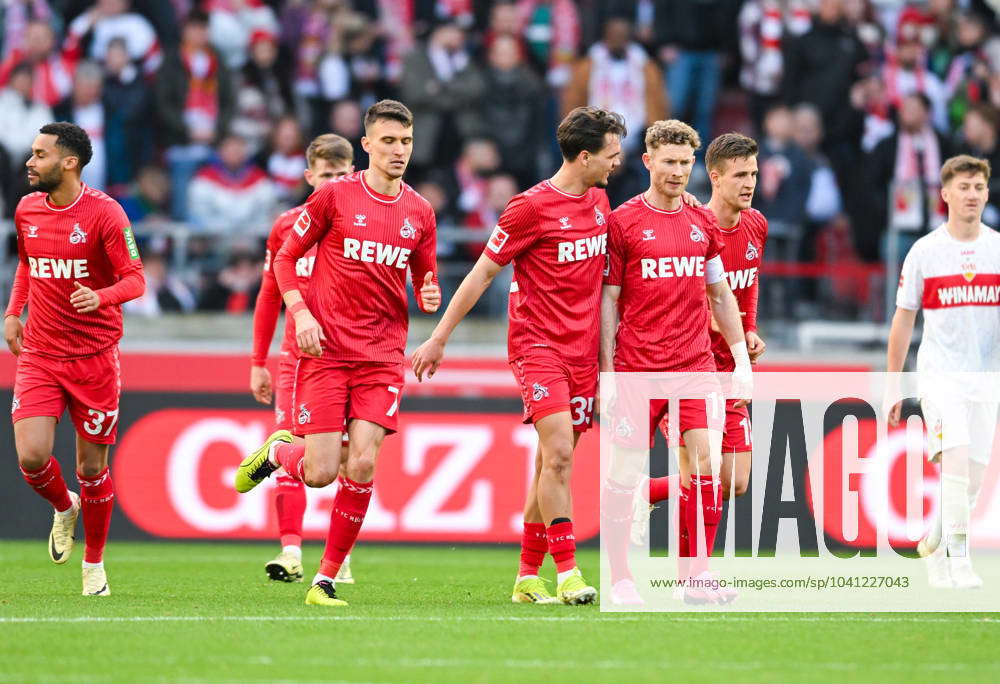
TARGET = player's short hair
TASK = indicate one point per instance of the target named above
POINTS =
(71, 139)
(964, 163)
(389, 109)
(330, 147)
(729, 146)
(671, 132)
(584, 128)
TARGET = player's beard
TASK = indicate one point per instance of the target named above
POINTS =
(48, 182)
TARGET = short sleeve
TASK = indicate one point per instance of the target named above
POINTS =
(614, 270)
(515, 232)
(909, 294)
(715, 241)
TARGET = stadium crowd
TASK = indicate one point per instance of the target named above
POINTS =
(200, 113)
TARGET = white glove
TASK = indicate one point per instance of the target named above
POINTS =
(742, 387)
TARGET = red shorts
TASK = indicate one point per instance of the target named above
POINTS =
(693, 416)
(737, 437)
(550, 385)
(89, 386)
(327, 394)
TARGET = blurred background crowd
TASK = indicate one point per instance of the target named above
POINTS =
(200, 112)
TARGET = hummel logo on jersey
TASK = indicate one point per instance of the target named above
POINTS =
(77, 236)
(302, 223)
(669, 267)
(752, 252)
(648, 234)
(539, 392)
(15, 405)
(45, 267)
(584, 248)
(407, 231)
(32, 232)
(564, 223)
(624, 428)
(696, 234)
(279, 415)
(359, 220)
(304, 415)
(373, 252)
(598, 216)
(497, 240)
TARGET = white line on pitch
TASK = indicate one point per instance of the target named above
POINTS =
(758, 617)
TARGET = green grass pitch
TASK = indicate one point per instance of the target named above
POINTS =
(195, 613)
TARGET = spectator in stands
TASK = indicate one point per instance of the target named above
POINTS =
(234, 288)
(20, 115)
(85, 108)
(480, 159)
(164, 292)
(264, 94)
(127, 109)
(443, 88)
(15, 18)
(287, 161)
(232, 194)
(968, 79)
(195, 101)
(52, 72)
(437, 197)
(617, 74)
(551, 29)
(497, 191)
(345, 120)
(694, 35)
(514, 109)
(906, 71)
(232, 23)
(979, 138)
(149, 199)
(903, 181)
(109, 19)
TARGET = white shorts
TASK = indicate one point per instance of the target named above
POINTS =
(953, 424)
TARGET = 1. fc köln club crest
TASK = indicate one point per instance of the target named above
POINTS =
(969, 270)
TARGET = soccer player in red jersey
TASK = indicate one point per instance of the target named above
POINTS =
(556, 235)
(328, 156)
(662, 256)
(78, 264)
(369, 228)
(732, 168)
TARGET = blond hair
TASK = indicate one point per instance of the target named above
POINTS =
(671, 132)
(330, 147)
(964, 163)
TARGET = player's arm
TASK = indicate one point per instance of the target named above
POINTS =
(266, 311)
(311, 225)
(13, 330)
(908, 301)
(609, 325)
(423, 269)
(726, 312)
(119, 245)
(755, 345)
(427, 356)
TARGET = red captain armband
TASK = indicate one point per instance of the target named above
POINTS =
(297, 307)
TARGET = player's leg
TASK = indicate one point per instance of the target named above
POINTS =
(97, 499)
(736, 451)
(290, 493)
(528, 586)
(344, 575)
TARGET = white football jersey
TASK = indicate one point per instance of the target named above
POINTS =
(957, 284)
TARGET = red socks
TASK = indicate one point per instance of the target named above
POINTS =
(49, 483)
(659, 487)
(349, 508)
(710, 501)
(290, 503)
(683, 540)
(534, 545)
(97, 499)
(289, 457)
(562, 545)
(616, 508)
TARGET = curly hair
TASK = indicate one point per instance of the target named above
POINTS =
(72, 139)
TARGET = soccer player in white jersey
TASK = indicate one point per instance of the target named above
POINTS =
(953, 274)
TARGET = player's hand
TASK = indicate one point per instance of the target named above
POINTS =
(427, 358)
(260, 384)
(690, 199)
(430, 294)
(83, 299)
(309, 334)
(893, 413)
(742, 387)
(755, 346)
(13, 332)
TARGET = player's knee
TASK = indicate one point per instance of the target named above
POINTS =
(559, 460)
(88, 469)
(361, 468)
(318, 475)
(32, 457)
(739, 488)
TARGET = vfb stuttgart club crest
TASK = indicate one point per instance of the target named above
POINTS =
(969, 270)
(539, 392)
(77, 236)
(304, 415)
(696, 234)
(752, 252)
(407, 231)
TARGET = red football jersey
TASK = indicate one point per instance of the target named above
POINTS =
(558, 243)
(365, 243)
(88, 241)
(742, 257)
(268, 305)
(660, 260)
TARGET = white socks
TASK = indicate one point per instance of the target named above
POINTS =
(560, 576)
(292, 549)
(319, 578)
(93, 565)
